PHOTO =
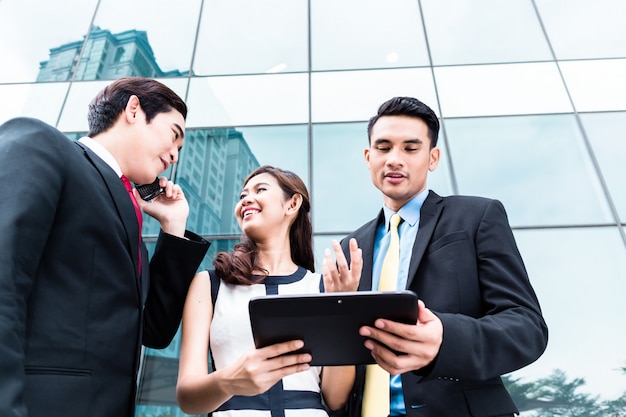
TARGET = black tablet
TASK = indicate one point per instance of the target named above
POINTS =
(329, 322)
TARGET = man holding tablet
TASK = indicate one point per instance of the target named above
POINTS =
(479, 317)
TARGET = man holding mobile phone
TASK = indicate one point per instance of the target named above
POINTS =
(78, 294)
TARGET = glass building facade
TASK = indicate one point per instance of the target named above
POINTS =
(531, 96)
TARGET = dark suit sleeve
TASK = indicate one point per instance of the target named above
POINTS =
(31, 180)
(172, 267)
(504, 330)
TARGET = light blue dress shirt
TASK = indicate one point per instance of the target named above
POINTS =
(410, 214)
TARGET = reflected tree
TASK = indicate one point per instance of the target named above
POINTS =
(556, 395)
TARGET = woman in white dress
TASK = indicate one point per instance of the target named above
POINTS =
(275, 256)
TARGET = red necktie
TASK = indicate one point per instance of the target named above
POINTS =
(129, 188)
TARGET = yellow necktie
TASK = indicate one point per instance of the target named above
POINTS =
(376, 393)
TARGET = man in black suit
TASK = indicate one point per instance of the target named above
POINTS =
(479, 317)
(78, 294)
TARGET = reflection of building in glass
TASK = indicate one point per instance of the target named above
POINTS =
(211, 171)
(213, 166)
(105, 56)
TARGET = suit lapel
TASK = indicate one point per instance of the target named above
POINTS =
(120, 199)
(429, 216)
(365, 237)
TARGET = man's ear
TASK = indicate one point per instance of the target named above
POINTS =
(294, 203)
(434, 159)
(132, 107)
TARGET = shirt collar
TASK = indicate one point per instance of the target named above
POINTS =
(103, 153)
(410, 212)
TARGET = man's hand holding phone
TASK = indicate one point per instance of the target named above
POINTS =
(149, 191)
(166, 202)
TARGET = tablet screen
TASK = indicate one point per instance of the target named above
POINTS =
(328, 323)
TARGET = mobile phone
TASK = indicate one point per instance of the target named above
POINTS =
(149, 191)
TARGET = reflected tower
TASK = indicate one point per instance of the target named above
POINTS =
(103, 56)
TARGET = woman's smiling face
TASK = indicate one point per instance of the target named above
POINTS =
(261, 207)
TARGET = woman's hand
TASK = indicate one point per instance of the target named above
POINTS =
(260, 369)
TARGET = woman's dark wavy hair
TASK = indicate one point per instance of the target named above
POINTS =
(154, 98)
(237, 266)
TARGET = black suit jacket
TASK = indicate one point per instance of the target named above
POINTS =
(73, 311)
(466, 267)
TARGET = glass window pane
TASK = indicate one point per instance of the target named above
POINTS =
(156, 395)
(487, 90)
(486, 31)
(536, 165)
(366, 34)
(596, 85)
(356, 95)
(215, 162)
(244, 37)
(211, 169)
(42, 101)
(35, 26)
(148, 38)
(343, 195)
(581, 29)
(248, 100)
(74, 117)
(606, 132)
(285, 147)
(578, 275)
